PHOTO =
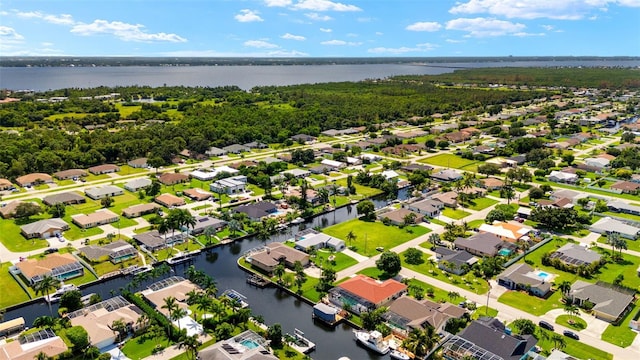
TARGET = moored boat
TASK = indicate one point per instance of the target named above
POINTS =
(399, 355)
(64, 288)
(372, 340)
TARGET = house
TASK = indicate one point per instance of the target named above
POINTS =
(139, 163)
(169, 200)
(197, 194)
(5, 185)
(574, 196)
(563, 177)
(256, 145)
(204, 175)
(390, 175)
(321, 169)
(488, 338)
(448, 199)
(607, 225)
(236, 149)
(154, 241)
(406, 313)
(516, 160)
(303, 138)
(351, 161)
(276, 253)
(506, 231)
(8, 210)
(454, 261)
(597, 162)
(104, 169)
(457, 136)
(244, 163)
(66, 198)
(416, 167)
(178, 288)
(491, 183)
(229, 186)
(363, 293)
(44, 229)
(29, 347)
(627, 187)
(428, 207)
(173, 178)
(576, 255)
(309, 238)
(100, 217)
(12, 327)
(70, 174)
(205, 222)
(297, 173)
(214, 151)
(446, 175)
(524, 212)
(60, 266)
(521, 276)
(116, 252)
(258, 210)
(312, 195)
(33, 179)
(136, 185)
(98, 318)
(247, 345)
(139, 210)
(397, 217)
(481, 244)
(333, 164)
(611, 303)
(623, 207)
(101, 192)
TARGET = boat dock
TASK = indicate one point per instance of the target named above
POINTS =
(236, 296)
(328, 314)
(299, 343)
(257, 281)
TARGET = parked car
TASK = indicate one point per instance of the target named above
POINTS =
(545, 325)
(51, 250)
(571, 334)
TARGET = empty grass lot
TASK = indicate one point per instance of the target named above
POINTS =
(341, 260)
(12, 293)
(451, 161)
(370, 235)
(480, 203)
(455, 214)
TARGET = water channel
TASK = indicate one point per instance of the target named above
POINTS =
(274, 305)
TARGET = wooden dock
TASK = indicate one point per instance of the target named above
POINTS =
(257, 281)
(299, 343)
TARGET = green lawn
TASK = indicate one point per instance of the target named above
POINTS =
(574, 348)
(13, 240)
(141, 347)
(361, 191)
(631, 244)
(482, 311)
(622, 335)
(572, 322)
(341, 260)
(12, 293)
(448, 160)
(455, 214)
(531, 304)
(370, 235)
(475, 223)
(468, 282)
(481, 203)
(128, 170)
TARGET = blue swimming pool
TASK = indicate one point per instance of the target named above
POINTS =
(504, 252)
(249, 344)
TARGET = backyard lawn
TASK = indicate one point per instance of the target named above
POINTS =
(481, 203)
(340, 261)
(449, 161)
(622, 335)
(13, 240)
(468, 282)
(12, 293)
(372, 235)
(531, 304)
(455, 214)
(484, 311)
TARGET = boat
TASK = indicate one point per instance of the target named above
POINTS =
(234, 295)
(399, 355)
(135, 270)
(64, 288)
(182, 257)
(297, 220)
(372, 340)
(281, 227)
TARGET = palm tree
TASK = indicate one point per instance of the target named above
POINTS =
(420, 342)
(178, 314)
(185, 219)
(171, 305)
(612, 239)
(42, 356)
(120, 328)
(351, 236)
(209, 233)
(558, 341)
(234, 227)
(191, 344)
(453, 295)
(204, 304)
(279, 271)
(565, 287)
(44, 286)
(44, 322)
(164, 228)
(572, 310)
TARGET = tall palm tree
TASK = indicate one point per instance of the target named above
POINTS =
(234, 227)
(44, 286)
(572, 310)
(279, 271)
(565, 287)
(351, 236)
(558, 341)
(42, 356)
(209, 233)
(171, 305)
(185, 219)
(420, 342)
(163, 228)
(191, 344)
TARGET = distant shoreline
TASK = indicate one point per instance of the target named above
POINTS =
(96, 61)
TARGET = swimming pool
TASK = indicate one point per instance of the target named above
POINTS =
(543, 274)
(249, 344)
(504, 252)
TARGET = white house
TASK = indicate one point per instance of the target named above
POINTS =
(232, 185)
(390, 174)
(563, 177)
(600, 163)
(332, 163)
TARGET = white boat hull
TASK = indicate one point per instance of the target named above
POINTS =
(364, 338)
(397, 355)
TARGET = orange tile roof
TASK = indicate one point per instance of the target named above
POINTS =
(373, 290)
(33, 267)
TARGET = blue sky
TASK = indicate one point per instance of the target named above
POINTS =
(320, 28)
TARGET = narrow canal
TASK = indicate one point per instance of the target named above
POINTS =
(274, 305)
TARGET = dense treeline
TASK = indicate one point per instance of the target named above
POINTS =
(606, 78)
(213, 117)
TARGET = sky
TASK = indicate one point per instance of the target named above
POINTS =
(319, 28)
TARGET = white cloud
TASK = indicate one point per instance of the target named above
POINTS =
(547, 27)
(214, 53)
(123, 31)
(402, 50)
(526, 34)
(47, 44)
(318, 17)
(62, 19)
(9, 35)
(247, 15)
(534, 9)
(287, 53)
(364, 19)
(260, 44)
(340, 43)
(325, 30)
(454, 41)
(324, 5)
(293, 37)
(483, 27)
(424, 26)
(277, 3)
(379, 33)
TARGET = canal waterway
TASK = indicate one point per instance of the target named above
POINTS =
(276, 306)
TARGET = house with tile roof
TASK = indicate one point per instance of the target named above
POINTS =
(8, 210)
(362, 293)
(505, 231)
(60, 266)
(276, 253)
(32, 179)
(406, 313)
(172, 178)
(140, 209)
(27, 348)
(100, 217)
(104, 169)
(481, 244)
(523, 277)
(169, 200)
